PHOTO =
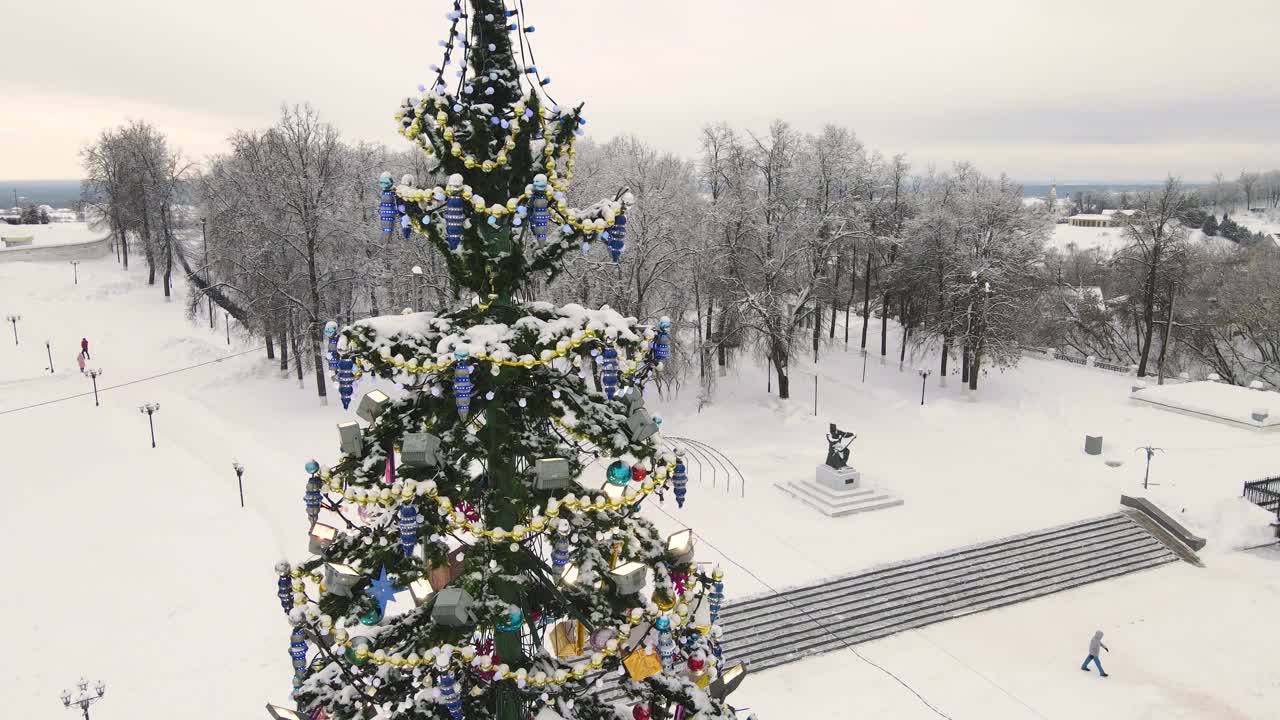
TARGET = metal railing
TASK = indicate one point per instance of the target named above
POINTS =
(1264, 493)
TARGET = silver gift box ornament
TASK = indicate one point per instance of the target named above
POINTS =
(339, 578)
(452, 607)
(640, 426)
(629, 577)
(350, 437)
(552, 474)
(420, 450)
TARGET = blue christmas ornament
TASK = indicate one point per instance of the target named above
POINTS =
(666, 643)
(662, 346)
(408, 528)
(463, 387)
(513, 620)
(453, 219)
(331, 334)
(449, 696)
(715, 598)
(540, 215)
(311, 498)
(387, 205)
(298, 649)
(609, 372)
(680, 480)
(560, 554)
(312, 467)
(346, 378)
(382, 590)
(285, 592)
(618, 473)
(617, 237)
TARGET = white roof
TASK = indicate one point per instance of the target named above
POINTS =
(1087, 216)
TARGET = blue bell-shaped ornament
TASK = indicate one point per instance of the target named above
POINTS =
(715, 598)
(617, 237)
(662, 345)
(449, 696)
(298, 649)
(311, 498)
(408, 520)
(666, 643)
(609, 372)
(346, 379)
(560, 554)
(680, 480)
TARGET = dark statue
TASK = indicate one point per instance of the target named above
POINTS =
(838, 442)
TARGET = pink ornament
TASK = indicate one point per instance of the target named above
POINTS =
(696, 663)
(391, 466)
(640, 712)
(638, 473)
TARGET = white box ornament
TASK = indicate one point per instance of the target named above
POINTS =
(452, 607)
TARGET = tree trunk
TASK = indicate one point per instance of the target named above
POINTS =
(835, 288)
(884, 326)
(168, 249)
(817, 327)
(946, 350)
(284, 349)
(906, 333)
(965, 353)
(780, 365)
(853, 288)
(1148, 318)
(866, 298)
(1164, 339)
(975, 365)
(271, 346)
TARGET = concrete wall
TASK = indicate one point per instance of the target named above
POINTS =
(77, 251)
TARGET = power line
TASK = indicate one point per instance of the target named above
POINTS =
(814, 620)
(131, 382)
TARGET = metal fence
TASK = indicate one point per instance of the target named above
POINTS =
(1264, 493)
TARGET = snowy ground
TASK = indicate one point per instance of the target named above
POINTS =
(58, 233)
(1228, 403)
(146, 573)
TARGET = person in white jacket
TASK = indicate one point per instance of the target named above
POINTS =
(1095, 654)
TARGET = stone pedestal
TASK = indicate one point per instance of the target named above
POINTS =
(839, 492)
(846, 478)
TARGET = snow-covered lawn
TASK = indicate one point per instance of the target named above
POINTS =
(138, 566)
(1215, 400)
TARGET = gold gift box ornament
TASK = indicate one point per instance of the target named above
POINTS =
(642, 664)
(569, 639)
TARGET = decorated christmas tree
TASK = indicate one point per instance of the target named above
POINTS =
(477, 549)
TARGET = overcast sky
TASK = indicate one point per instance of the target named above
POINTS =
(1077, 90)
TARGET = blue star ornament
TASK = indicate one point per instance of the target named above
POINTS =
(383, 591)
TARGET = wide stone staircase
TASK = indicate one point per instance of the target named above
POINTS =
(775, 629)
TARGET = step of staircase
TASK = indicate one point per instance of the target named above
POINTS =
(774, 629)
(838, 503)
(770, 630)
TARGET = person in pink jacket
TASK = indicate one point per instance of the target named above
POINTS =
(80, 362)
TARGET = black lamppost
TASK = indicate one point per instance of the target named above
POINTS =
(150, 409)
(13, 319)
(49, 350)
(239, 479)
(75, 271)
(86, 697)
(864, 364)
(94, 374)
(924, 379)
(205, 238)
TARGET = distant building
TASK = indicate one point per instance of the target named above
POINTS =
(1106, 219)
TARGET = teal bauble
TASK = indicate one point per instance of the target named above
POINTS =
(373, 617)
(619, 473)
(312, 467)
(512, 621)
